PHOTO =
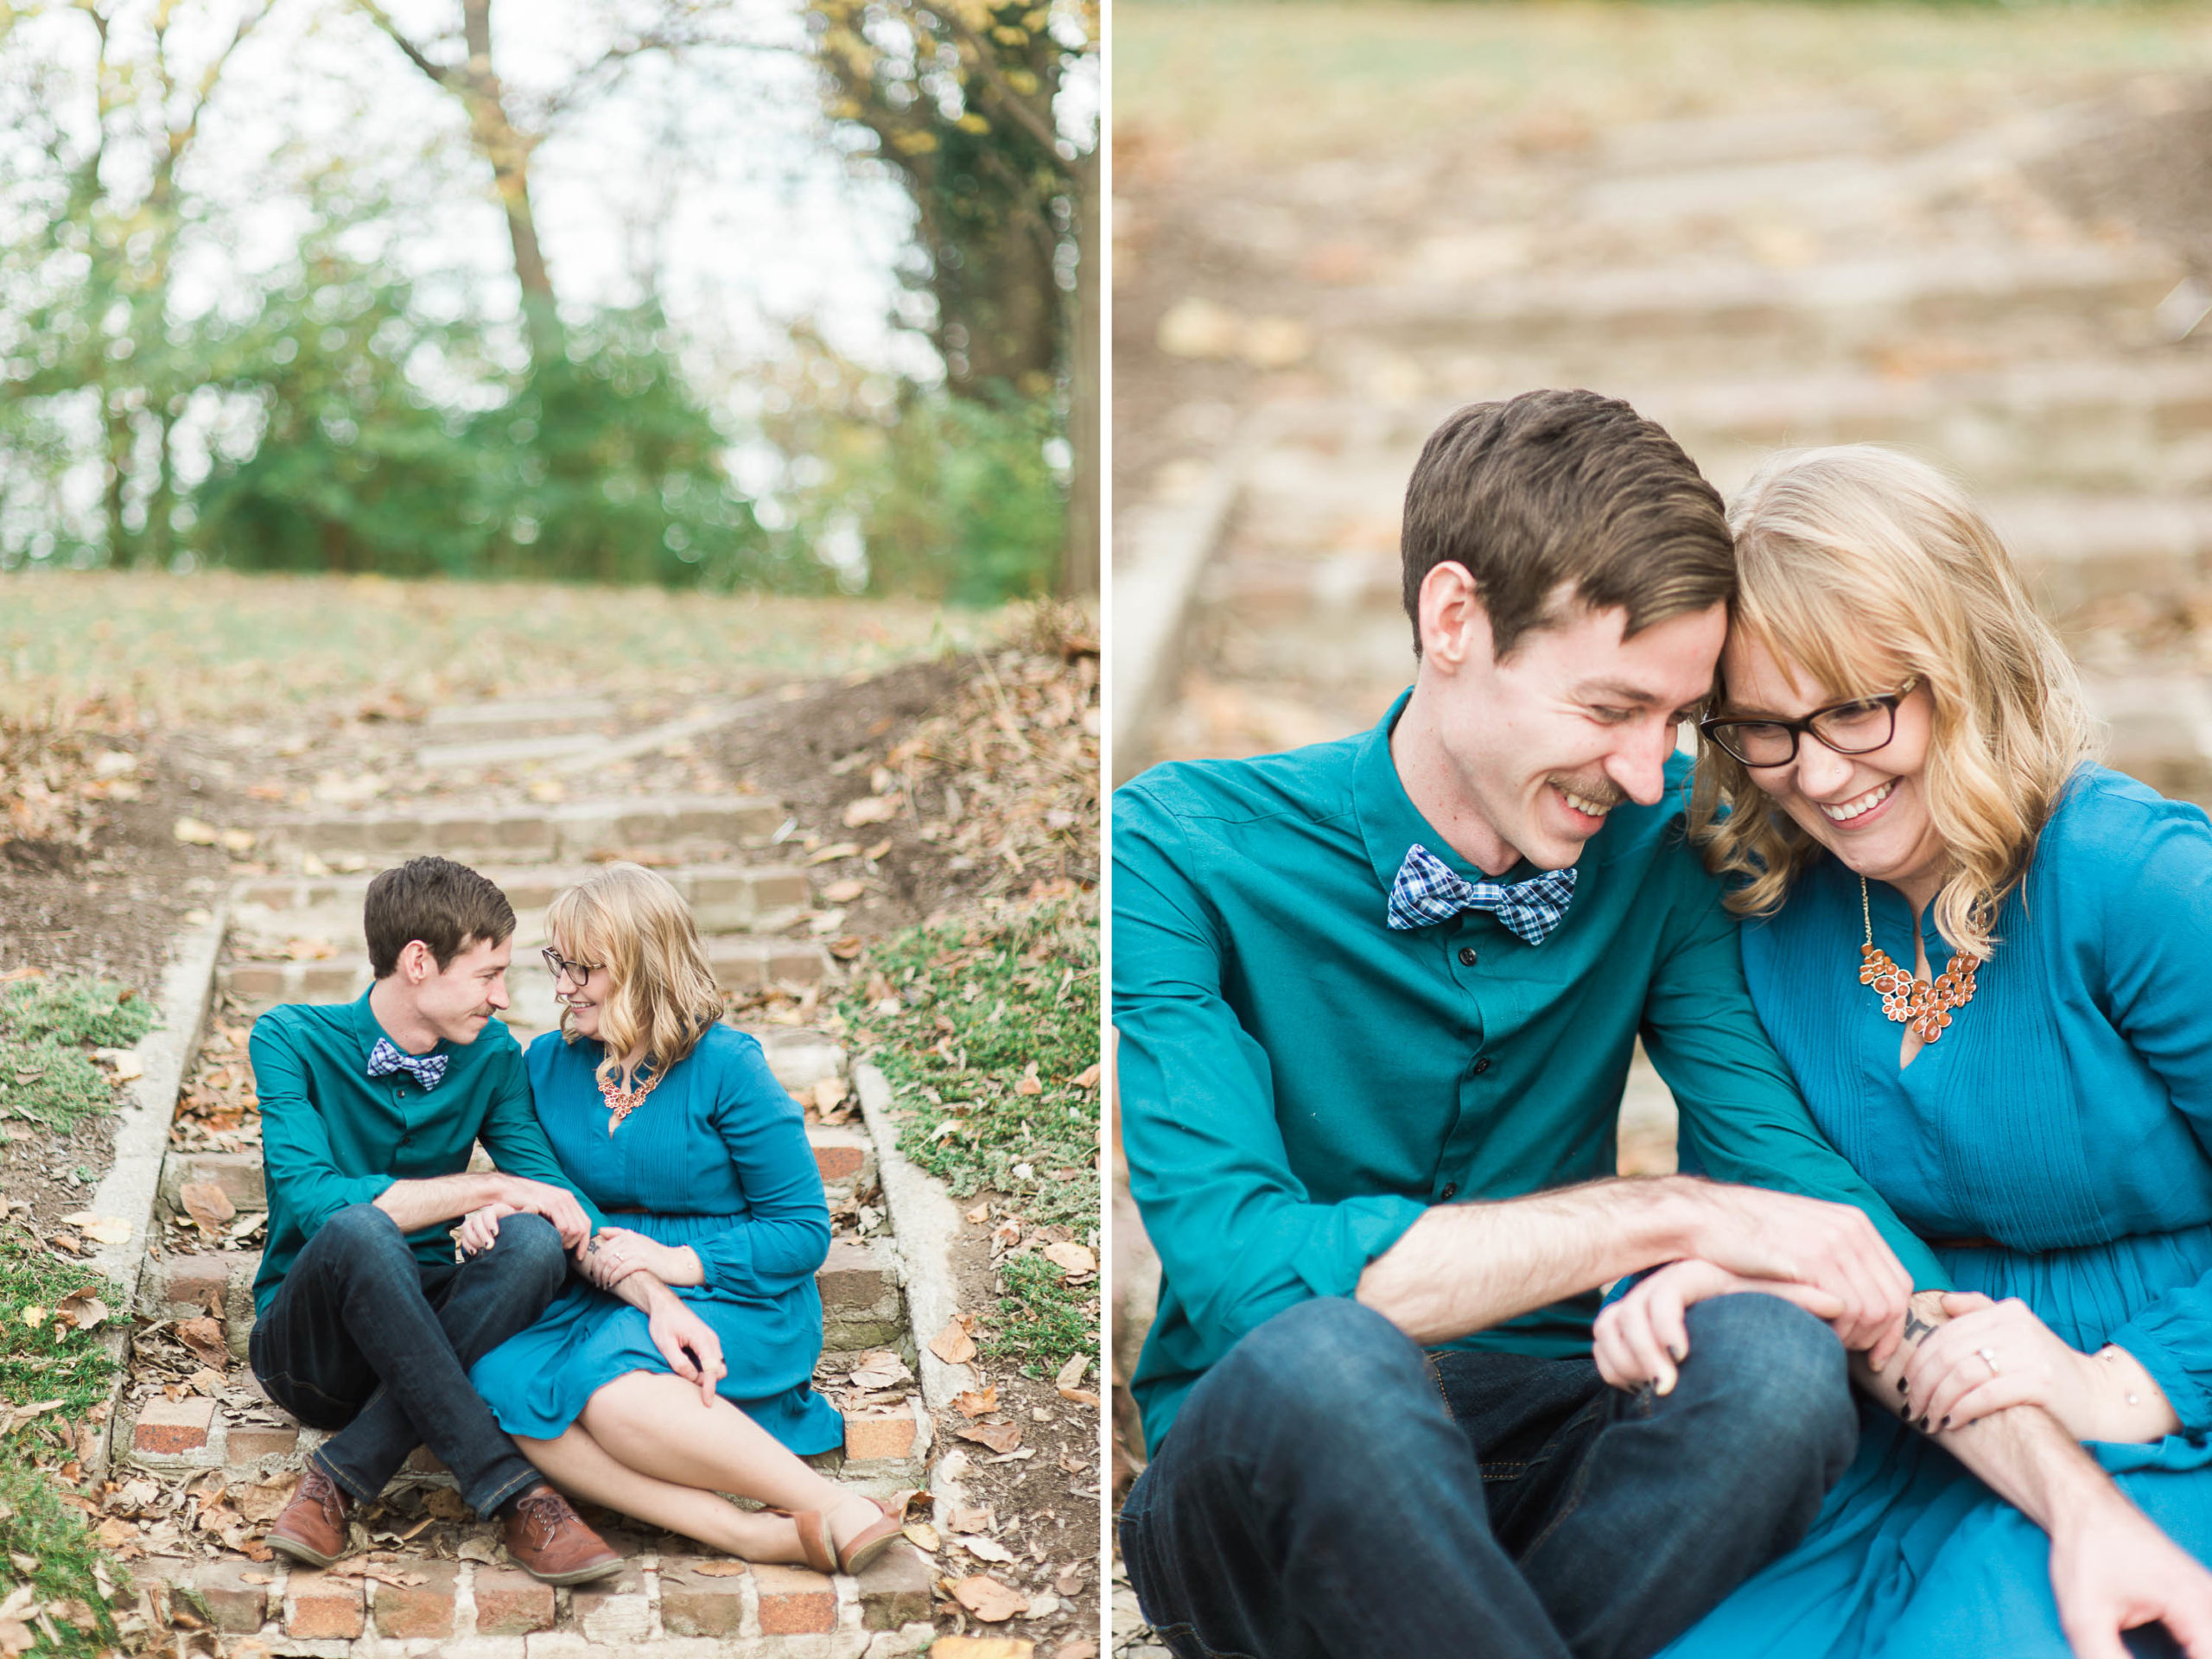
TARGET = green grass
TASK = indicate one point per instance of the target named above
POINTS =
(38, 1362)
(957, 1016)
(1043, 1321)
(45, 1026)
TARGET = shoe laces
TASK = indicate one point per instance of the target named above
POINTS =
(543, 1515)
(322, 1491)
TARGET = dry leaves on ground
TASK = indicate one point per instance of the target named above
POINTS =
(989, 1599)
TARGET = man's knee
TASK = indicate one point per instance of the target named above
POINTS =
(1318, 1370)
(360, 1230)
(529, 1250)
(1780, 1373)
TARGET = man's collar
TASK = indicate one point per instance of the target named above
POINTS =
(369, 1028)
(1390, 823)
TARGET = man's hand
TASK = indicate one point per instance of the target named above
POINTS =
(2112, 1570)
(1761, 1235)
(556, 1204)
(687, 1342)
(1643, 1337)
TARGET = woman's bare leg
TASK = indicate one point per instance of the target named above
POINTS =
(657, 1425)
(579, 1465)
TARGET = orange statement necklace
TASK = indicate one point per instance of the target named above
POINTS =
(1925, 1005)
(623, 1102)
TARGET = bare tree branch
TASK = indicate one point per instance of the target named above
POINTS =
(414, 54)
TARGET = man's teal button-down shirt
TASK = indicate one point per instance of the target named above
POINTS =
(1300, 1081)
(332, 1136)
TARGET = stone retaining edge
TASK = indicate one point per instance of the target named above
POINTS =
(923, 1223)
(1154, 588)
(142, 1137)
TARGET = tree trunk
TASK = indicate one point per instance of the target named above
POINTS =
(1079, 563)
(508, 152)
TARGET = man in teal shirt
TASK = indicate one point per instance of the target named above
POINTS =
(365, 1322)
(1376, 1000)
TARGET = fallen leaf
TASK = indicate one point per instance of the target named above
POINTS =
(980, 1213)
(1074, 1258)
(922, 1535)
(1080, 1397)
(1088, 1078)
(971, 1519)
(830, 1094)
(446, 1504)
(101, 1230)
(264, 1500)
(479, 1550)
(981, 1647)
(718, 1569)
(843, 892)
(1071, 1581)
(953, 1344)
(82, 1309)
(208, 1204)
(34, 1316)
(1027, 1085)
(1000, 1437)
(1074, 1371)
(129, 1067)
(975, 1402)
(989, 1599)
(204, 1336)
(877, 851)
(846, 948)
(1079, 1647)
(192, 833)
(984, 1550)
(834, 850)
(871, 808)
(236, 841)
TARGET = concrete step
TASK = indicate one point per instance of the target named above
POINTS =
(1750, 314)
(741, 962)
(723, 897)
(844, 1156)
(701, 828)
(688, 1605)
(515, 716)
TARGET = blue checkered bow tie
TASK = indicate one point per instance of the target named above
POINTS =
(1428, 890)
(384, 1059)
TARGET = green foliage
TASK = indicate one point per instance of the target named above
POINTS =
(1042, 1321)
(1018, 987)
(76, 1010)
(40, 1363)
(50, 1083)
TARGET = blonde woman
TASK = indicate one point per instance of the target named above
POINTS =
(1983, 957)
(654, 1404)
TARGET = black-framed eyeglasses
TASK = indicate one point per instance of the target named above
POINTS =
(557, 964)
(1858, 727)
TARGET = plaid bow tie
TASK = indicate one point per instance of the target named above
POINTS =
(1428, 890)
(426, 1068)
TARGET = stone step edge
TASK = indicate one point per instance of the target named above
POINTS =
(842, 1154)
(636, 819)
(528, 886)
(490, 1610)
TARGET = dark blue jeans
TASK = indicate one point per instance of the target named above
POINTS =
(365, 1339)
(1329, 1488)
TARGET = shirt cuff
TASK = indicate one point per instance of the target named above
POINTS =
(2172, 1343)
(343, 1192)
(1353, 1233)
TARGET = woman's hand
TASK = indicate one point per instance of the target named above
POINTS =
(1991, 1355)
(1645, 1335)
(480, 1229)
(615, 1252)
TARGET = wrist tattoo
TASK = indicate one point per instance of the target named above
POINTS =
(1915, 1326)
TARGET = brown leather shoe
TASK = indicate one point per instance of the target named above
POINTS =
(312, 1527)
(550, 1541)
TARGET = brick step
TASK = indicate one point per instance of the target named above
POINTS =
(882, 1452)
(656, 1604)
(844, 1155)
(699, 828)
(723, 897)
(741, 962)
(1750, 315)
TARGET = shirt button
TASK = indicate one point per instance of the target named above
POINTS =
(1451, 1191)
(1466, 955)
(1482, 1065)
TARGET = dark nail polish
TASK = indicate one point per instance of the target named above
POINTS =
(1904, 1414)
(1900, 1385)
(1923, 1422)
(1940, 1427)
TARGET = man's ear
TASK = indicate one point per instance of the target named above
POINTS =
(1454, 623)
(416, 963)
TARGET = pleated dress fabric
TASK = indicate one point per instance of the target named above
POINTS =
(2064, 1116)
(715, 1158)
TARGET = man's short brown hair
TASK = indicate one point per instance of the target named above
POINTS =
(1565, 487)
(447, 905)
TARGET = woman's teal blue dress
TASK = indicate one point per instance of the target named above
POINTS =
(2065, 1116)
(715, 1158)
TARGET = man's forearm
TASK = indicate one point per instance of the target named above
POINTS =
(1466, 1268)
(641, 1290)
(440, 1197)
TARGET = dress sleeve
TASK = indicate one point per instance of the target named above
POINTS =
(1237, 1235)
(2152, 949)
(786, 1235)
(296, 1151)
(515, 1137)
(1742, 1118)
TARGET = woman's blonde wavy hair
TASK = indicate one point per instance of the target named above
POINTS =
(662, 993)
(1864, 567)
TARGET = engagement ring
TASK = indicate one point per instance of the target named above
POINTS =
(1988, 1360)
